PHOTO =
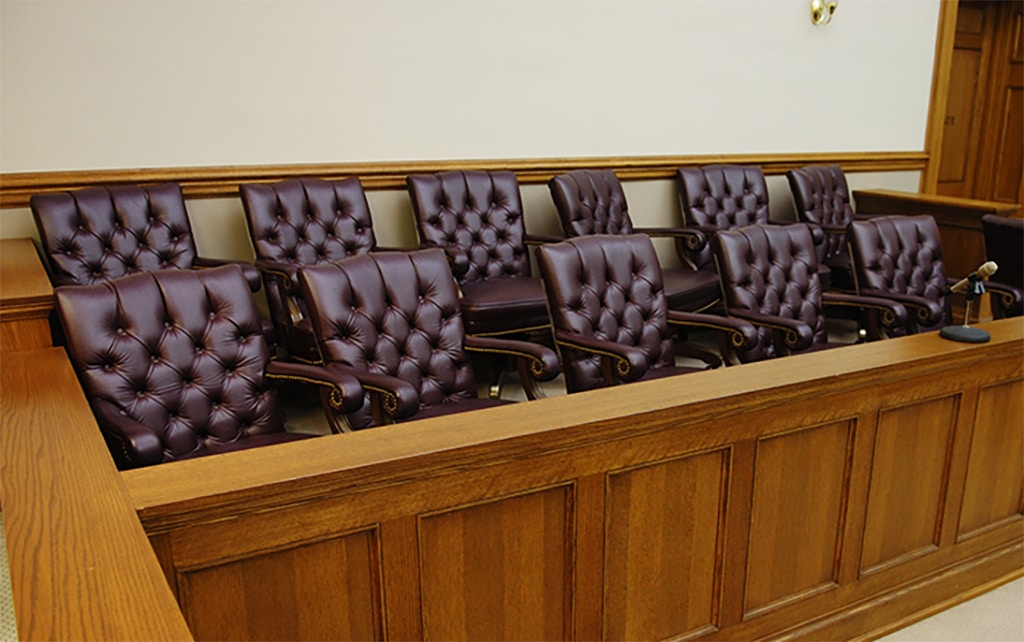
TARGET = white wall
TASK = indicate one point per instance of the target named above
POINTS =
(162, 83)
(116, 84)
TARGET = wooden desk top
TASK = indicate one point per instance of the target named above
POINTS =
(81, 566)
(24, 284)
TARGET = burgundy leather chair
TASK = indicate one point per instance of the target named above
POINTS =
(900, 258)
(175, 365)
(97, 234)
(611, 318)
(770, 278)
(593, 202)
(393, 321)
(300, 222)
(725, 197)
(822, 198)
(1004, 244)
(477, 219)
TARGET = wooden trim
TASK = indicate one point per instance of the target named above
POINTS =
(944, 41)
(208, 182)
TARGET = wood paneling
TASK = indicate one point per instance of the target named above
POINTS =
(677, 507)
(796, 527)
(908, 481)
(26, 297)
(662, 563)
(321, 591)
(995, 472)
(208, 182)
(500, 570)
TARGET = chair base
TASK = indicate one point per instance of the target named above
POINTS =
(965, 334)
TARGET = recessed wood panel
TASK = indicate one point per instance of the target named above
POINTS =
(1009, 165)
(959, 118)
(323, 591)
(909, 471)
(661, 554)
(995, 470)
(498, 570)
(796, 525)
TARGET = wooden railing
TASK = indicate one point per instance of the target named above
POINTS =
(821, 496)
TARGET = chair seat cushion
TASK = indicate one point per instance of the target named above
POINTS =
(503, 305)
(690, 290)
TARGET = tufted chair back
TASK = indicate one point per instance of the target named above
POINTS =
(300, 222)
(901, 257)
(771, 271)
(394, 314)
(721, 197)
(606, 287)
(97, 234)
(173, 363)
(477, 217)
(590, 202)
(822, 196)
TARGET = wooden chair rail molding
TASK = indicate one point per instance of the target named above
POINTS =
(820, 496)
(207, 182)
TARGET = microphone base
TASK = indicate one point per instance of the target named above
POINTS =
(965, 334)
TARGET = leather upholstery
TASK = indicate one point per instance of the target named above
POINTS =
(393, 319)
(721, 197)
(174, 364)
(822, 197)
(770, 277)
(900, 257)
(300, 222)
(1004, 244)
(477, 219)
(593, 202)
(96, 234)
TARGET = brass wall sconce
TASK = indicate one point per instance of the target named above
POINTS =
(822, 10)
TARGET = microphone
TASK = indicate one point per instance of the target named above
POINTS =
(986, 269)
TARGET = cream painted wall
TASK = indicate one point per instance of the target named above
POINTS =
(115, 84)
(123, 84)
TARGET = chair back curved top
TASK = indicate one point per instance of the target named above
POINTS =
(590, 202)
(1004, 244)
(394, 314)
(300, 222)
(97, 234)
(721, 197)
(900, 257)
(594, 202)
(609, 288)
(773, 272)
(173, 363)
(477, 219)
(822, 197)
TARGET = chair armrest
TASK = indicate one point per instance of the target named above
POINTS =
(741, 334)
(541, 239)
(694, 239)
(629, 363)
(286, 274)
(926, 312)
(249, 271)
(892, 314)
(397, 398)
(134, 444)
(542, 360)
(797, 335)
(346, 393)
(832, 229)
(1006, 297)
(458, 262)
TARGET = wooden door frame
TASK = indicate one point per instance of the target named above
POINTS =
(944, 41)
